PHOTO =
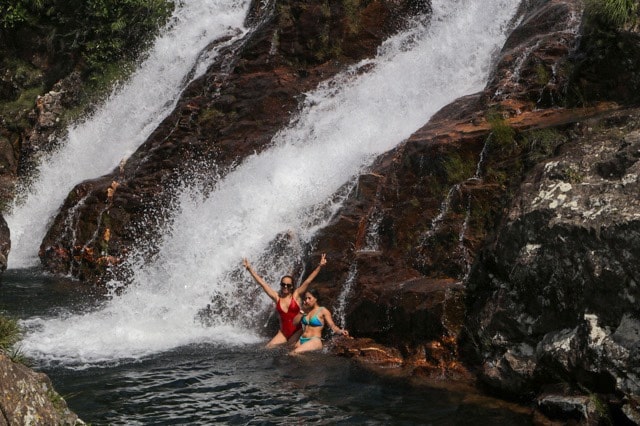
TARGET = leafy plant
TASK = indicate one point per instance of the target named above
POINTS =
(10, 333)
(615, 13)
(502, 136)
(97, 31)
(456, 169)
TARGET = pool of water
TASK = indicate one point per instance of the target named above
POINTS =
(204, 384)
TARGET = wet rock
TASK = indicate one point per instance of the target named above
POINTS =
(435, 201)
(631, 410)
(28, 398)
(520, 253)
(533, 69)
(8, 168)
(561, 275)
(5, 244)
(366, 351)
(582, 409)
(47, 114)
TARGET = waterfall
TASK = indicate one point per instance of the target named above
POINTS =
(96, 145)
(372, 237)
(464, 251)
(340, 313)
(444, 209)
(291, 188)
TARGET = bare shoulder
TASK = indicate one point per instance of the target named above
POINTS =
(325, 311)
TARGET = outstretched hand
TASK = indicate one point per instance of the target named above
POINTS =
(245, 263)
(323, 259)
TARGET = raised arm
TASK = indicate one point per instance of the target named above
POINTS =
(303, 287)
(328, 320)
(270, 292)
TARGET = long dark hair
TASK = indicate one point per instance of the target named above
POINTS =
(315, 294)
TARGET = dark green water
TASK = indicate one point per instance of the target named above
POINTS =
(244, 385)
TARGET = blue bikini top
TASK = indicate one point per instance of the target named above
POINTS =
(314, 321)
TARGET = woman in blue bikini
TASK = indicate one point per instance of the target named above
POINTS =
(313, 320)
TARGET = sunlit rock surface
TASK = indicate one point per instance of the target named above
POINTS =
(28, 398)
(534, 206)
(555, 295)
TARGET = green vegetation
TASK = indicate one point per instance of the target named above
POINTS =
(601, 409)
(502, 136)
(542, 75)
(456, 169)
(10, 334)
(541, 144)
(44, 41)
(57, 400)
(25, 102)
(351, 11)
(91, 35)
(573, 176)
(612, 13)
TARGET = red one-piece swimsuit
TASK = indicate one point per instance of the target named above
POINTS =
(286, 318)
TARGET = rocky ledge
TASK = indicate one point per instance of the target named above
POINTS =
(28, 398)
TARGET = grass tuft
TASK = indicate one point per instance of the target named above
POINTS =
(615, 13)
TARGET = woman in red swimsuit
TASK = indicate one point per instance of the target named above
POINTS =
(288, 302)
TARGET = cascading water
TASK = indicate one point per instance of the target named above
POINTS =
(96, 146)
(340, 313)
(291, 188)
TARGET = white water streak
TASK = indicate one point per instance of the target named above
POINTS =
(340, 313)
(344, 125)
(95, 146)
(372, 238)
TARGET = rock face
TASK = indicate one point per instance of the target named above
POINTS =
(532, 205)
(46, 118)
(28, 398)
(436, 199)
(555, 295)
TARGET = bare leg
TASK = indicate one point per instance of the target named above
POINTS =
(311, 345)
(295, 338)
(278, 339)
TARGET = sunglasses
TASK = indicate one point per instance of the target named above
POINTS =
(286, 285)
